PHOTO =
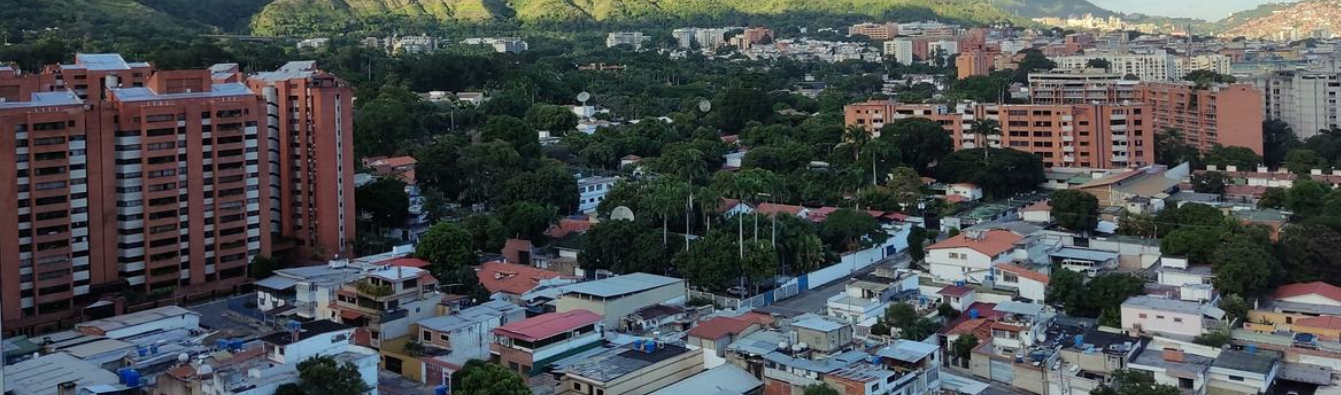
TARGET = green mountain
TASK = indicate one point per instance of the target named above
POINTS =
(1057, 8)
(104, 15)
(305, 16)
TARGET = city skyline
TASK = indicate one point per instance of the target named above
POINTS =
(1210, 10)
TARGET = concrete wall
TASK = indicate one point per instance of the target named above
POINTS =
(1161, 321)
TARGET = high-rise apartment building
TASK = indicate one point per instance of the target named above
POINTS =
(161, 184)
(901, 50)
(311, 132)
(1224, 114)
(1147, 67)
(875, 31)
(976, 62)
(1305, 100)
(1081, 86)
(1082, 136)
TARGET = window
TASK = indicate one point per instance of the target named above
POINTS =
(443, 337)
(1236, 378)
(1159, 317)
(428, 336)
(1143, 316)
(1176, 319)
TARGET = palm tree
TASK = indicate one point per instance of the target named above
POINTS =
(709, 201)
(983, 128)
(664, 197)
(857, 137)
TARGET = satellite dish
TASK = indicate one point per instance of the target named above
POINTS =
(183, 358)
(621, 213)
(205, 370)
(705, 106)
(583, 97)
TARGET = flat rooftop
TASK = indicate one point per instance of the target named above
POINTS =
(45, 99)
(1174, 306)
(1257, 362)
(137, 318)
(622, 285)
(39, 376)
(216, 91)
(545, 326)
(619, 362)
(309, 330)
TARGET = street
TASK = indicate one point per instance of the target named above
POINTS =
(814, 300)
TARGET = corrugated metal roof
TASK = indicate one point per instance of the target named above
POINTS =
(622, 285)
(721, 380)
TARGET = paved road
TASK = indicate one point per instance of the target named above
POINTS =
(814, 300)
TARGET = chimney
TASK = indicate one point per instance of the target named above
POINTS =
(1173, 355)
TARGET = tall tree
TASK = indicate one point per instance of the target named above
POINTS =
(1075, 210)
(760, 263)
(1241, 157)
(1172, 150)
(1006, 172)
(621, 247)
(1209, 182)
(490, 379)
(447, 247)
(850, 230)
(325, 376)
(923, 141)
(983, 130)
(528, 220)
(1277, 140)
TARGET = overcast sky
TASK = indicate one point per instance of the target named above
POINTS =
(1204, 9)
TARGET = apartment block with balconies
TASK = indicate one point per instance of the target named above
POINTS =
(387, 302)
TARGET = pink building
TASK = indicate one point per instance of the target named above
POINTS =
(1146, 314)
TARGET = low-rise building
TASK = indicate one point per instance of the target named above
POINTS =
(724, 379)
(1146, 314)
(914, 369)
(639, 369)
(865, 298)
(1240, 372)
(592, 191)
(1026, 282)
(527, 346)
(715, 334)
(617, 297)
(1312, 308)
(467, 334)
(1188, 372)
(821, 334)
(137, 323)
(785, 374)
(511, 281)
(971, 255)
(386, 302)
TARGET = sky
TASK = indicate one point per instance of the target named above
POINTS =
(1204, 9)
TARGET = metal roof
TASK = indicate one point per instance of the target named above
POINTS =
(1012, 307)
(146, 94)
(136, 318)
(101, 61)
(908, 351)
(619, 362)
(39, 376)
(1260, 362)
(822, 366)
(1084, 254)
(622, 285)
(470, 316)
(722, 380)
(818, 323)
(758, 343)
(1175, 306)
(45, 99)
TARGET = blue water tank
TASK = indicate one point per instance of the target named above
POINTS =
(649, 346)
(221, 344)
(293, 326)
(153, 350)
(129, 377)
(638, 345)
(973, 314)
(1251, 348)
(235, 344)
(142, 350)
(440, 390)
(1080, 341)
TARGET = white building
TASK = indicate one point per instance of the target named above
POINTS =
(314, 43)
(1159, 66)
(946, 48)
(592, 191)
(971, 255)
(901, 50)
(1307, 101)
(468, 333)
(866, 298)
(141, 322)
(1170, 317)
(1029, 284)
(966, 191)
(309, 292)
(261, 373)
(633, 39)
(1209, 62)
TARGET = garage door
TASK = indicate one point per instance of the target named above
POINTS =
(1002, 371)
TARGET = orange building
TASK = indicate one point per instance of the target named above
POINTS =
(976, 62)
(875, 31)
(135, 181)
(1225, 114)
(1084, 136)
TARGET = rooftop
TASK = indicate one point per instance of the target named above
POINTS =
(725, 379)
(101, 61)
(717, 327)
(307, 331)
(137, 318)
(1174, 306)
(818, 323)
(619, 362)
(863, 373)
(1259, 362)
(826, 365)
(1300, 289)
(1084, 254)
(39, 376)
(1189, 366)
(1023, 272)
(758, 343)
(512, 278)
(45, 99)
(470, 316)
(908, 351)
(992, 242)
(622, 285)
(545, 326)
(291, 70)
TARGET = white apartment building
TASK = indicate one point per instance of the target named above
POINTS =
(1212, 62)
(1305, 100)
(901, 50)
(634, 39)
(1147, 67)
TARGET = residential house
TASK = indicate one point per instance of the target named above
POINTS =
(141, 322)
(511, 281)
(1244, 372)
(1027, 283)
(1039, 213)
(785, 374)
(1188, 372)
(1089, 261)
(821, 334)
(724, 379)
(1139, 191)
(959, 297)
(715, 334)
(1146, 314)
(916, 368)
(866, 297)
(1313, 308)
(306, 292)
(648, 321)
(465, 335)
(592, 191)
(1193, 282)
(1089, 360)
(617, 297)
(385, 303)
(966, 191)
(970, 255)
(638, 369)
(528, 345)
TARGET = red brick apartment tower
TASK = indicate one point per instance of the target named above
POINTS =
(189, 203)
(1226, 114)
(311, 135)
(45, 215)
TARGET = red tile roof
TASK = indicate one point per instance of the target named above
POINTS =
(548, 325)
(1022, 272)
(568, 225)
(1324, 322)
(1040, 206)
(511, 278)
(406, 262)
(955, 198)
(771, 209)
(1326, 290)
(955, 290)
(985, 311)
(993, 242)
(718, 327)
